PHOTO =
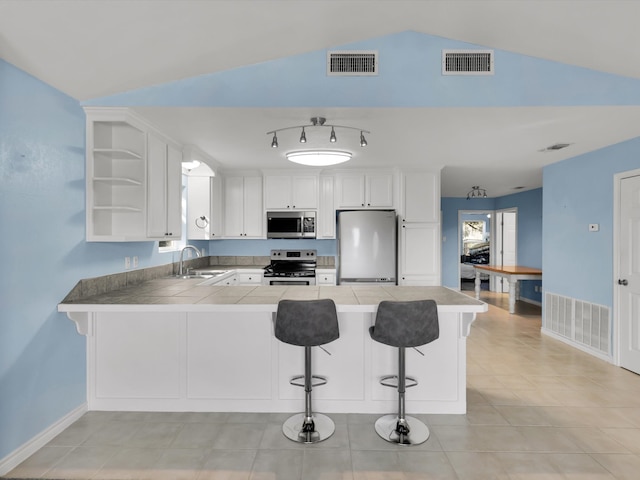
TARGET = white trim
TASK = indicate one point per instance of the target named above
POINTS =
(615, 320)
(528, 300)
(27, 449)
(577, 345)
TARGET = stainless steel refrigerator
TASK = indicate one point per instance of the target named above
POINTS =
(367, 242)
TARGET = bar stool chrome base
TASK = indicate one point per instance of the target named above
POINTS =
(409, 431)
(319, 428)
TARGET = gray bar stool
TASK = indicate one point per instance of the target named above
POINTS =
(404, 324)
(307, 323)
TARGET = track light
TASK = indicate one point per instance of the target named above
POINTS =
(476, 192)
(333, 138)
(318, 122)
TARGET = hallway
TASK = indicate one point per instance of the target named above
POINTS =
(537, 408)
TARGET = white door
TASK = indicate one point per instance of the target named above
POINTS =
(506, 241)
(628, 284)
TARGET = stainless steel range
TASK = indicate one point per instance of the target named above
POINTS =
(291, 267)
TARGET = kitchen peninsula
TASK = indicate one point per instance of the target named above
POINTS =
(172, 344)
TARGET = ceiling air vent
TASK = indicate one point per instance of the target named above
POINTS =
(354, 62)
(467, 62)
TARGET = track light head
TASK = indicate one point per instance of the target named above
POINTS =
(333, 138)
(303, 136)
(274, 142)
(363, 141)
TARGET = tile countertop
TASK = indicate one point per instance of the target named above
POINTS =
(189, 295)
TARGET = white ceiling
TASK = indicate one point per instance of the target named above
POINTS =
(94, 48)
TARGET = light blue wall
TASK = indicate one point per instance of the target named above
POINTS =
(42, 213)
(579, 191)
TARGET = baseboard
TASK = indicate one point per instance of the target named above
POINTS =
(528, 300)
(577, 345)
(23, 452)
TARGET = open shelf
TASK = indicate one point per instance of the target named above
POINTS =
(118, 181)
(116, 154)
(117, 208)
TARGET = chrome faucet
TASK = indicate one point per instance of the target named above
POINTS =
(188, 247)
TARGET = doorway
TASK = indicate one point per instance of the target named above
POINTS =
(474, 245)
(506, 242)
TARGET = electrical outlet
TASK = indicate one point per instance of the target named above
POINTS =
(594, 227)
(135, 262)
(127, 262)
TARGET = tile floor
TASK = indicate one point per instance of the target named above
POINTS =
(537, 409)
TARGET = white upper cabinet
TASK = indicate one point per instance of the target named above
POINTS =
(164, 192)
(204, 208)
(243, 212)
(420, 196)
(364, 190)
(288, 192)
(133, 179)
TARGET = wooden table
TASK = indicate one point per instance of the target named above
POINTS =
(513, 274)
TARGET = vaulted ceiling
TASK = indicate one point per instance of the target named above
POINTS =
(96, 48)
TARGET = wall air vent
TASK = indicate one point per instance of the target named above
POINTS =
(467, 62)
(354, 62)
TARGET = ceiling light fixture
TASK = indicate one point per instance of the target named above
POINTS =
(476, 192)
(318, 122)
(318, 158)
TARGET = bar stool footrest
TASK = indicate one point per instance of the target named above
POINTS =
(410, 381)
(320, 380)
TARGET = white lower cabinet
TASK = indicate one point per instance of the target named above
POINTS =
(137, 355)
(419, 254)
(250, 277)
(227, 359)
(325, 276)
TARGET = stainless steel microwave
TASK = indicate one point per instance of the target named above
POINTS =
(291, 224)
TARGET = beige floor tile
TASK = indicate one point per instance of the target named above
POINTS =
(228, 465)
(43, 460)
(81, 463)
(622, 467)
(627, 437)
(280, 464)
